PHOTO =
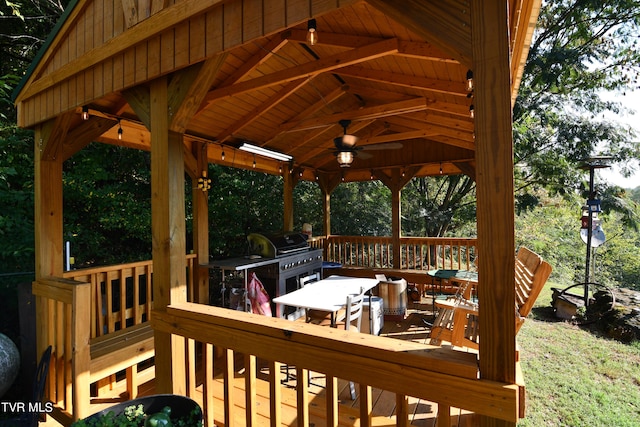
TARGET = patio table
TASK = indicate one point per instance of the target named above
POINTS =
(460, 276)
(328, 294)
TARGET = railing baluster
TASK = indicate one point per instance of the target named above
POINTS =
(228, 375)
(332, 401)
(207, 362)
(250, 389)
(275, 394)
(302, 403)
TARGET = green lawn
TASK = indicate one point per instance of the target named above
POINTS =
(575, 378)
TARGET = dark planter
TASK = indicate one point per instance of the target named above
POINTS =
(181, 406)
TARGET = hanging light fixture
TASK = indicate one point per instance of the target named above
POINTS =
(345, 158)
(119, 130)
(472, 113)
(204, 183)
(85, 112)
(254, 161)
(312, 33)
(469, 81)
(222, 153)
(255, 149)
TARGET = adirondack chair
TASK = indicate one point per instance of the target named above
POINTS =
(457, 319)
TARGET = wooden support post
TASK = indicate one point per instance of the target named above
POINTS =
(49, 258)
(81, 356)
(289, 182)
(395, 183)
(168, 235)
(495, 192)
(201, 228)
(327, 183)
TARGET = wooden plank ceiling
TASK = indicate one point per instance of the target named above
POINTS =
(400, 83)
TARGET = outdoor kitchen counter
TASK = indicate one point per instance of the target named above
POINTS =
(241, 263)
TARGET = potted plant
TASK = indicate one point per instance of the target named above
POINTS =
(160, 410)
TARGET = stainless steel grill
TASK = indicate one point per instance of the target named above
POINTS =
(293, 259)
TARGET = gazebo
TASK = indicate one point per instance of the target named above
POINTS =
(427, 87)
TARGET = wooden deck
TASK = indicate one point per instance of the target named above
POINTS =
(421, 413)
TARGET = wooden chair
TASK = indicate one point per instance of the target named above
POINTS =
(457, 319)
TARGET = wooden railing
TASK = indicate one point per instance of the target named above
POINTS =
(416, 253)
(82, 311)
(121, 295)
(405, 368)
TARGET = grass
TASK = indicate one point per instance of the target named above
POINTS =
(574, 377)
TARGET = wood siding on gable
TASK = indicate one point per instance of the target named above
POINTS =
(97, 55)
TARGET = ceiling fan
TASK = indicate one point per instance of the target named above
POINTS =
(346, 146)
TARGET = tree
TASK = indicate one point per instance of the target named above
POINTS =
(581, 49)
(25, 27)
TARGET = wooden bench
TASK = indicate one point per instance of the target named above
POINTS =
(122, 351)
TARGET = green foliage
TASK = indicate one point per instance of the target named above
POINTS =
(134, 416)
(438, 206)
(16, 199)
(107, 205)
(241, 202)
(580, 50)
(361, 209)
(307, 206)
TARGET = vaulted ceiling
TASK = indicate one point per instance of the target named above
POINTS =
(402, 86)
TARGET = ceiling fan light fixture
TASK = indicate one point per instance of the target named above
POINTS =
(345, 158)
(349, 141)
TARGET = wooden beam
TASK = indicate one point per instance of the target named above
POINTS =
(84, 134)
(431, 132)
(333, 62)
(139, 99)
(409, 49)
(187, 89)
(495, 193)
(53, 134)
(261, 109)
(375, 112)
(406, 81)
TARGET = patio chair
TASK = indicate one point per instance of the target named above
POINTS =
(313, 316)
(353, 313)
(457, 319)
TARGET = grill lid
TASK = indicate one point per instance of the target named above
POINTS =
(276, 245)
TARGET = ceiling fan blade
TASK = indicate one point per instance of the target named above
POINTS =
(382, 146)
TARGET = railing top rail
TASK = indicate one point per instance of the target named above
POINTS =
(113, 267)
(410, 368)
